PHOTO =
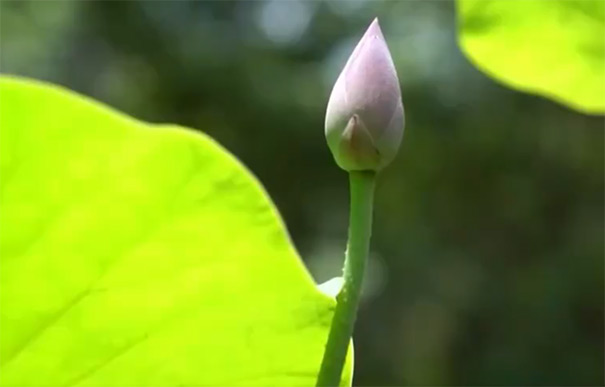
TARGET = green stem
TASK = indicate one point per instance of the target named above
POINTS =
(347, 301)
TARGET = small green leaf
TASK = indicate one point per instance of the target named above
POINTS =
(551, 48)
(136, 254)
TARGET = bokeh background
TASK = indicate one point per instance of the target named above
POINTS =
(487, 258)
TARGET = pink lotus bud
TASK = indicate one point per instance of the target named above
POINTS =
(364, 120)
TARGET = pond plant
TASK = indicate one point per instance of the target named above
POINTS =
(141, 254)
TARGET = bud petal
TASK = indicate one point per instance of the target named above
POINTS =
(365, 119)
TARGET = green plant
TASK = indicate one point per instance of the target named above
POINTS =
(552, 48)
(137, 254)
(142, 254)
(364, 127)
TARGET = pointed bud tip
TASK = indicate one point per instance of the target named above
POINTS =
(374, 27)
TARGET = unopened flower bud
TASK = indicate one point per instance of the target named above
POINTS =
(364, 120)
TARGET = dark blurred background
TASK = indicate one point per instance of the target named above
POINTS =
(487, 258)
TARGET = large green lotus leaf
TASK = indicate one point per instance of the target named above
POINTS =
(136, 254)
(551, 48)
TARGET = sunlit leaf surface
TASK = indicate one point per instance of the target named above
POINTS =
(552, 48)
(136, 254)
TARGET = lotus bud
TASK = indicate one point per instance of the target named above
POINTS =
(364, 120)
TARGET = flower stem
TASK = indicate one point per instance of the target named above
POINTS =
(347, 301)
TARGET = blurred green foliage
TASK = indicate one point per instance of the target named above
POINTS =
(487, 265)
